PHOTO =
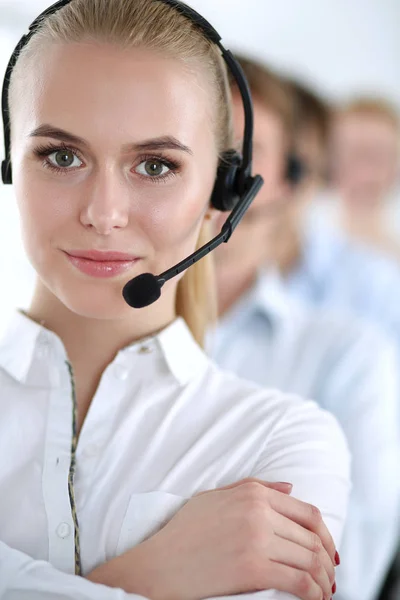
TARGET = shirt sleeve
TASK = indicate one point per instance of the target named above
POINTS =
(308, 449)
(363, 391)
(22, 578)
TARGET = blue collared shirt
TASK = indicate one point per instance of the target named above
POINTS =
(349, 369)
(339, 273)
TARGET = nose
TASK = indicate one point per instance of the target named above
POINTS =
(106, 203)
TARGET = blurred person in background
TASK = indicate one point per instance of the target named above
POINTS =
(365, 164)
(270, 338)
(322, 265)
(311, 121)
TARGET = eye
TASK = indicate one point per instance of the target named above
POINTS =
(153, 168)
(64, 159)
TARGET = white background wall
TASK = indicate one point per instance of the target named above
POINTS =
(344, 45)
(340, 46)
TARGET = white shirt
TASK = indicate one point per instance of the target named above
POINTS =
(164, 424)
(350, 369)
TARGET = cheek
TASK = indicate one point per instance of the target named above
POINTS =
(43, 209)
(175, 219)
(271, 166)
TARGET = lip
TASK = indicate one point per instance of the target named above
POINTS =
(101, 255)
(97, 263)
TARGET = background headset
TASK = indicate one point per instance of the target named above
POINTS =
(235, 186)
(295, 169)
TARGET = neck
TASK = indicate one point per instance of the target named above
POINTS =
(92, 344)
(364, 224)
(287, 250)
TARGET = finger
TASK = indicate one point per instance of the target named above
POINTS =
(306, 515)
(291, 531)
(298, 557)
(292, 581)
(279, 486)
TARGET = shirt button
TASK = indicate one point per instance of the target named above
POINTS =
(121, 372)
(63, 530)
(144, 350)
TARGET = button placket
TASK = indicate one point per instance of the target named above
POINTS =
(57, 466)
(55, 478)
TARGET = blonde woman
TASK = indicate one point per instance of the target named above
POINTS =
(131, 466)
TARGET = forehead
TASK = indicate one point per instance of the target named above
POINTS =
(89, 88)
(364, 126)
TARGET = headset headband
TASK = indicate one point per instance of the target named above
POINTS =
(208, 31)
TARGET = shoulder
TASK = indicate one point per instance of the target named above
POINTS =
(358, 360)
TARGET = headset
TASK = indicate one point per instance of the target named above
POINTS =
(295, 169)
(235, 186)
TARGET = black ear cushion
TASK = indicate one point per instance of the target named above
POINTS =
(6, 172)
(295, 169)
(225, 193)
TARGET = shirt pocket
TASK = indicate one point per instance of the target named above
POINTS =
(146, 514)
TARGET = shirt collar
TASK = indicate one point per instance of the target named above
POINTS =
(183, 355)
(267, 297)
(18, 345)
(24, 338)
(273, 300)
(322, 245)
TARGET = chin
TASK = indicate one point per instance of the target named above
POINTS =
(92, 302)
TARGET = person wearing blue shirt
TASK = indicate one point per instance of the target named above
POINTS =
(320, 264)
(348, 367)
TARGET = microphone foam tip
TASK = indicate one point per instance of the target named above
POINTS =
(142, 291)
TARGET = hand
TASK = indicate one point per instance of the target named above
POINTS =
(246, 537)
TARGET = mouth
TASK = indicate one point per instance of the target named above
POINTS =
(101, 264)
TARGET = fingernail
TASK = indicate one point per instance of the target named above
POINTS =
(337, 559)
(334, 588)
(290, 485)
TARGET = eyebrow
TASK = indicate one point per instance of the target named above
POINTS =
(166, 142)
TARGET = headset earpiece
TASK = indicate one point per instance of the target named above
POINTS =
(6, 172)
(295, 169)
(226, 193)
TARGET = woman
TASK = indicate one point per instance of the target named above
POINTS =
(119, 111)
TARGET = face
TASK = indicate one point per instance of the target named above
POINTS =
(365, 151)
(112, 153)
(251, 239)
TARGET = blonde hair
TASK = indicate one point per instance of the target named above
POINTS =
(157, 26)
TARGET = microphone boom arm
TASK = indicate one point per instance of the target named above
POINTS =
(227, 229)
